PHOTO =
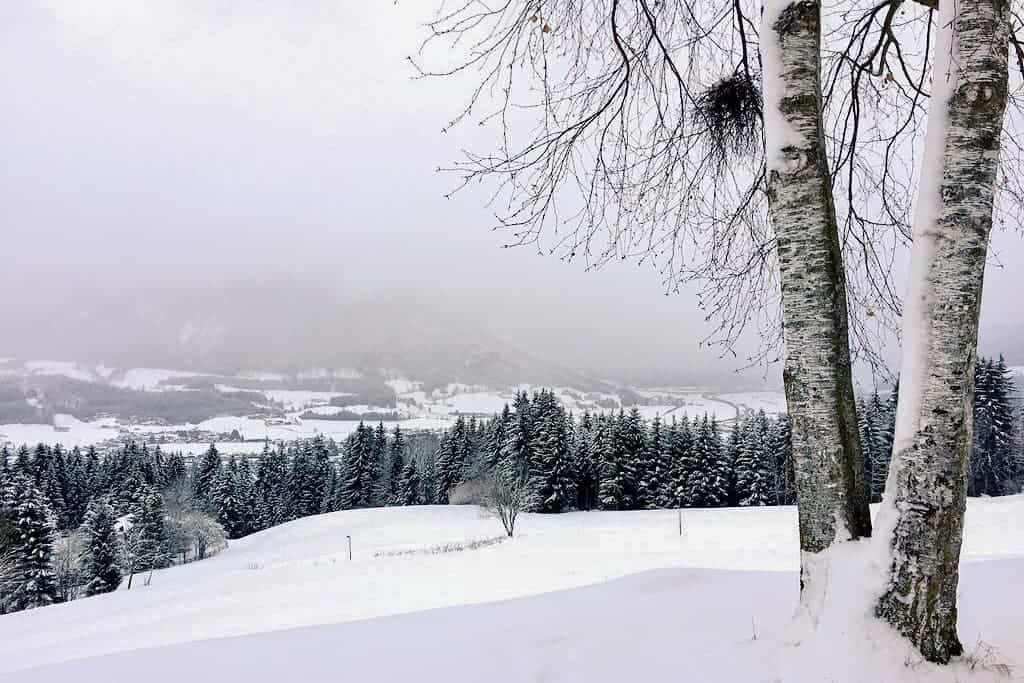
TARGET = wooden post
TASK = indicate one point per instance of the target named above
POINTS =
(349, 547)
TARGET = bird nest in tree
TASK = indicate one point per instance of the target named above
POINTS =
(731, 112)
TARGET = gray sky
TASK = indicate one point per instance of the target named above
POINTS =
(211, 140)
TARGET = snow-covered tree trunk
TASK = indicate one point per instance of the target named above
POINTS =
(831, 491)
(924, 501)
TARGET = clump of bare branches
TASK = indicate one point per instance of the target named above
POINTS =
(611, 146)
(508, 495)
(732, 111)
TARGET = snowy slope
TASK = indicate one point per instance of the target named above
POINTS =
(690, 604)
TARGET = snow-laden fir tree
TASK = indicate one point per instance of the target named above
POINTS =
(731, 455)
(447, 468)
(206, 471)
(585, 464)
(616, 478)
(708, 474)
(379, 469)
(149, 520)
(754, 460)
(517, 448)
(680, 444)
(992, 461)
(656, 483)
(552, 480)
(33, 583)
(876, 418)
(101, 558)
(357, 469)
(230, 499)
(396, 463)
(272, 499)
(410, 488)
(631, 447)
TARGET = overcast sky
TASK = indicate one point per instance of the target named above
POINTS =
(212, 139)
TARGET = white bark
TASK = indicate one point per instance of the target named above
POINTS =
(831, 494)
(922, 516)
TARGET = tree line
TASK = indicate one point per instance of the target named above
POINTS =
(79, 523)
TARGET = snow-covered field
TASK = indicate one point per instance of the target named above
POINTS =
(577, 597)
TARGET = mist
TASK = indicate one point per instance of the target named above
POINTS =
(267, 174)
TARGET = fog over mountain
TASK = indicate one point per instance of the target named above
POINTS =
(243, 184)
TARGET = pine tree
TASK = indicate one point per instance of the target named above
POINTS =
(552, 481)
(451, 461)
(630, 446)
(517, 449)
(877, 422)
(231, 498)
(585, 465)
(270, 491)
(428, 480)
(708, 475)
(396, 463)
(357, 479)
(379, 468)
(612, 491)
(655, 481)
(148, 522)
(680, 445)
(783, 472)
(753, 466)
(207, 470)
(410, 489)
(33, 582)
(497, 436)
(735, 460)
(101, 569)
(992, 462)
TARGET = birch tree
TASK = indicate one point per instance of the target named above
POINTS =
(832, 495)
(645, 141)
(634, 129)
(927, 485)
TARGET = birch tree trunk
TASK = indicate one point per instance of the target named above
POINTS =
(831, 492)
(924, 501)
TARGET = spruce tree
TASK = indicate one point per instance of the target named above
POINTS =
(148, 522)
(396, 463)
(783, 472)
(410, 490)
(517, 449)
(207, 470)
(754, 471)
(655, 481)
(708, 478)
(992, 462)
(357, 478)
(612, 492)
(630, 443)
(450, 461)
(586, 465)
(270, 491)
(552, 480)
(379, 468)
(101, 568)
(736, 461)
(33, 583)
(680, 445)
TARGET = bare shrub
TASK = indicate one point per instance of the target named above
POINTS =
(507, 496)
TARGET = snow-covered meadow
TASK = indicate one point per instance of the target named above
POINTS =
(599, 596)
